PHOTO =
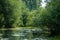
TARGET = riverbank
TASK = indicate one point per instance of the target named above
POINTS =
(18, 28)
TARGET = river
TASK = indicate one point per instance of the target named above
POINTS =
(22, 34)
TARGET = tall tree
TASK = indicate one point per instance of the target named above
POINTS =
(53, 6)
(32, 4)
(11, 11)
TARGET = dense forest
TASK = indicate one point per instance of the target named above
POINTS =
(31, 13)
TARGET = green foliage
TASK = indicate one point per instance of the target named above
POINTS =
(11, 10)
(1, 21)
(32, 4)
(24, 13)
(53, 8)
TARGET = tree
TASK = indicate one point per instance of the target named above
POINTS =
(53, 6)
(11, 12)
(24, 16)
(32, 4)
(1, 21)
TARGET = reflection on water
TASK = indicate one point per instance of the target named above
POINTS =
(21, 34)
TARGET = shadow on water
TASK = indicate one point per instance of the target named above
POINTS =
(21, 34)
